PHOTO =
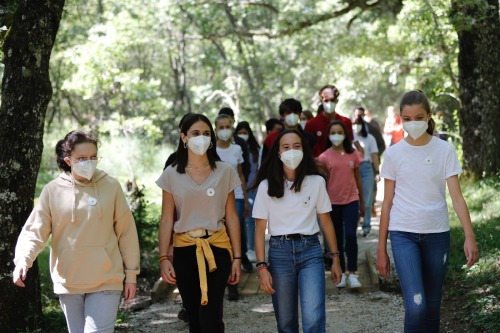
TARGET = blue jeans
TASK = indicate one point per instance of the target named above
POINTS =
(421, 262)
(240, 209)
(250, 222)
(367, 177)
(297, 271)
(345, 222)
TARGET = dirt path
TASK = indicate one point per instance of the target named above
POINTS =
(348, 311)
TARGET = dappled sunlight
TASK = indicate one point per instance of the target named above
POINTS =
(264, 308)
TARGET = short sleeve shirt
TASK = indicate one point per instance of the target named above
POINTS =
(420, 173)
(199, 206)
(369, 146)
(318, 126)
(295, 212)
(233, 155)
(342, 187)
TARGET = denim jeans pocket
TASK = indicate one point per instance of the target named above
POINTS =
(312, 241)
(275, 242)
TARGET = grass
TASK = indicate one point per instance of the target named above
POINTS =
(475, 291)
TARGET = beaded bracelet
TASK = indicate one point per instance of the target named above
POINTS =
(333, 254)
(262, 265)
(162, 258)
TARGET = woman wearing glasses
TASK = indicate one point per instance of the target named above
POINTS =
(94, 247)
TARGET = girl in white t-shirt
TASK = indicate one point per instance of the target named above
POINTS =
(367, 168)
(416, 172)
(290, 199)
(233, 155)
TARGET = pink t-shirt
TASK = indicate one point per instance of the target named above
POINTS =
(341, 187)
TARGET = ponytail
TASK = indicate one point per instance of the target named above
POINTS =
(431, 125)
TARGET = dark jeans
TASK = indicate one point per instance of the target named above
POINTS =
(345, 222)
(206, 318)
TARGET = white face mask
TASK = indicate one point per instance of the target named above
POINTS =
(243, 136)
(292, 158)
(292, 119)
(337, 139)
(225, 134)
(356, 128)
(199, 144)
(85, 169)
(303, 123)
(415, 128)
(329, 107)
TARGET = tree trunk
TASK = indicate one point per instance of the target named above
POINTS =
(478, 27)
(26, 92)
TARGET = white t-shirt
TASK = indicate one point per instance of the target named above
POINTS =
(295, 212)
(234, 156)
(420, 173)
(369, 145)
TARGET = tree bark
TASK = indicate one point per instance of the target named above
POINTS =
(26, 92)
(478, 27)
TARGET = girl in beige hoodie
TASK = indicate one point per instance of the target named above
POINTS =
(94, 252)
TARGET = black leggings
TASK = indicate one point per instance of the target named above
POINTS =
(202, 318)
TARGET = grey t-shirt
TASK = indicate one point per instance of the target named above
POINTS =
(199, 206)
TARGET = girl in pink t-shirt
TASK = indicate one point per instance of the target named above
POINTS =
(341, 163)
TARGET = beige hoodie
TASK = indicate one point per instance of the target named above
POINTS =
(94, 243)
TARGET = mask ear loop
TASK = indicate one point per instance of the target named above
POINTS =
(210, 145)
(185, 144)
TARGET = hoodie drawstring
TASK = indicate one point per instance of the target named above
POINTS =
(99, 206)
(73, 209)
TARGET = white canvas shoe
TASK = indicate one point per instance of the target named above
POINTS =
(251, 255)
(342, 282)
(353, 281)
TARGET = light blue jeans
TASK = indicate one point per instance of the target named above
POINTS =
(297, 270)
(92, 312)
(421, 262)
(367, 179)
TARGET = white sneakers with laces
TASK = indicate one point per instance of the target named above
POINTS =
(353, 281)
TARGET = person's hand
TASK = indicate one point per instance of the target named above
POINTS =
(129, 291)
(19, 275)
(234, 278)
(336, 272)
(167, 272)
(377, 178)
(266, 281)
(383, 263)
(471, 251)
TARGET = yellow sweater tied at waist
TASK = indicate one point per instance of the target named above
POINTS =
(203, 251)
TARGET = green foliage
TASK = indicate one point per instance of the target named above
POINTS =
(478, 286)
(146, 220)
(141, 66)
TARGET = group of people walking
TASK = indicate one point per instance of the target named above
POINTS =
(313, 176)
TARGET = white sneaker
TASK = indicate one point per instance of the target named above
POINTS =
(353, 281)
(251, 256)
(342, 283)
